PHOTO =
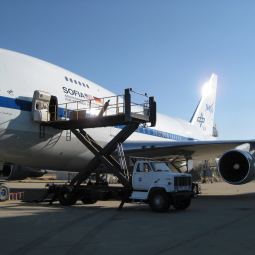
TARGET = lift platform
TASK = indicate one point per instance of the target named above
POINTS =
(110, 111)
(95, 113)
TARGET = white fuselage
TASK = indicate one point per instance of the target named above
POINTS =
(20, 143)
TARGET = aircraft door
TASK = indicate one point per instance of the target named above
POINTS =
(40, 106)
(53, 108)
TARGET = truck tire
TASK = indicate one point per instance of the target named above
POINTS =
(74, 198)
(159, 201)
(4, 192)
(66, 195)
(182, 205)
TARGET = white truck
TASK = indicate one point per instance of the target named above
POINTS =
(151, 182)
(154, 183)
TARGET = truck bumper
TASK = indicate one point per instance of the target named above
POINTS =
(183, 195)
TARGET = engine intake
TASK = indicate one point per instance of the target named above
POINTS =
(12, 172)
(237, 167)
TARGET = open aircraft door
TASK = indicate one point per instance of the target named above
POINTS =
(40, 106)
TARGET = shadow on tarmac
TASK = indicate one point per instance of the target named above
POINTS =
(212, 224)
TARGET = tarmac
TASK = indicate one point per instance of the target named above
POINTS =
(220, 221)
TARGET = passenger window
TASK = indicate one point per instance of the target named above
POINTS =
(87, 85)
(71, 80)
(83, 85)
(66, 78)
(75, 81)
(79, 82)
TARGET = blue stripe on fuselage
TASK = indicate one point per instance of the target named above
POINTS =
(24, 105)
(15, 103)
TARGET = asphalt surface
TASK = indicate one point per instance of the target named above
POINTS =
(220, 221)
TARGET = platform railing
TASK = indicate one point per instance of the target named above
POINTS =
(92, 108)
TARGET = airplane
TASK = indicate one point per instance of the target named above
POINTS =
(24, 153)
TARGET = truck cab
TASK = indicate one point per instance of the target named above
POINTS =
(154, 183)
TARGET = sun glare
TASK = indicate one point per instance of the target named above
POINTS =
(207, 89)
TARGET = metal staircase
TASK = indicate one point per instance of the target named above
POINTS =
(122, 159)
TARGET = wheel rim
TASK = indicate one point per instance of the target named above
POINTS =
(158, 201)
(3, 192)
(65, 195)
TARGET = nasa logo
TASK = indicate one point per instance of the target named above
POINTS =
(209, 108)
(140, 179)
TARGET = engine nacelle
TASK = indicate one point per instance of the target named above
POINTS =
(237, 167)
(12, 172)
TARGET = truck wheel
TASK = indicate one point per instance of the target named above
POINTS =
(66, 196)
(88, 200)
(4, 192)
(182, 205)
(74, 199)
(159, 201)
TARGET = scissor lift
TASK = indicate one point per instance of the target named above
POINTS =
(79, 119)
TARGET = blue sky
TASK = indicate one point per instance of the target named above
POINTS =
(168, 49)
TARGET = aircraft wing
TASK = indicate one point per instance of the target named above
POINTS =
(182, 150)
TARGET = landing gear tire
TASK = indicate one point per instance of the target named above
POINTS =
(159, 201)
(67, 195)
(182, 205)
(4, 192)
(88, 200)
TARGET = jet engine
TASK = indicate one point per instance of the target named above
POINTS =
(237, 167)
(12, 172)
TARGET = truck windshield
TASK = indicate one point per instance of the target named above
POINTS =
(160, 166)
